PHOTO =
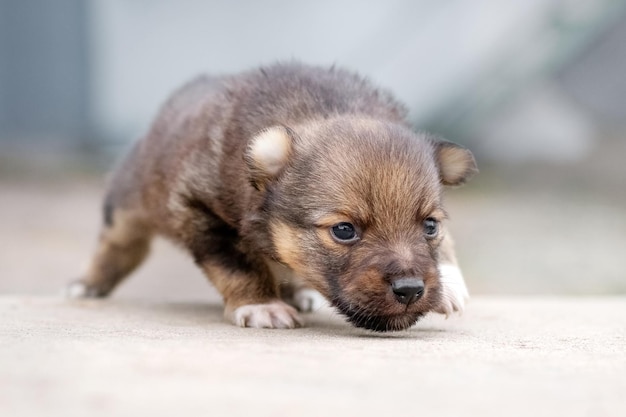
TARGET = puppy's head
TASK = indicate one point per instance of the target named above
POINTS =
(354, 207)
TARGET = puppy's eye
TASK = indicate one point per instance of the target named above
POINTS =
(431, 227)
(344, 232)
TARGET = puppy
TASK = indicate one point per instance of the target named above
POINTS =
(284, 180)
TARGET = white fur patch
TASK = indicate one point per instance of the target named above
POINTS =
(453, 290)
(270, 149)
(274, 315)
(308, 300)
(78, 289)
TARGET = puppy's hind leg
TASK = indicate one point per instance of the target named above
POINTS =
(123, 244)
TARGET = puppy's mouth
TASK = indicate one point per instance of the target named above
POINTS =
(367, 319)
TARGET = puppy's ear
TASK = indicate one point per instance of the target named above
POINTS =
(267, 154)
(456, 164)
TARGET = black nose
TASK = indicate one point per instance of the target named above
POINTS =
(408, 290)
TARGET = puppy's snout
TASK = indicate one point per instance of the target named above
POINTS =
(408, 290)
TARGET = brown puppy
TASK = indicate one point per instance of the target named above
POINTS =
(287, 179)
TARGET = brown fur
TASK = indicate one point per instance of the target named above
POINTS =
(349, 156)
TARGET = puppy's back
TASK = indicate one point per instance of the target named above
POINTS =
(194, 148)
(293, 93)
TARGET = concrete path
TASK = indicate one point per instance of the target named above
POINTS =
(505, 357)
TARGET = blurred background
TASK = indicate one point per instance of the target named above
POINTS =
(536, 88)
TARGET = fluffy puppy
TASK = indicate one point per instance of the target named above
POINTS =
(284, 180)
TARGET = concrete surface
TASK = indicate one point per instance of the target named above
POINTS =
(512, 356)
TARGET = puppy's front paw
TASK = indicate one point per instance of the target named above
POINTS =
(307, 300)
(79, 289)
(453, 290)
(274, 315)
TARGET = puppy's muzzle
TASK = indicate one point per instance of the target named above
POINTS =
(408, 290)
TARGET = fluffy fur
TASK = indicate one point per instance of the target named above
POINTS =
(251, 172)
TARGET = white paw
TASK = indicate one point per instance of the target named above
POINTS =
(274, 315)
(453, 290)
(79, 289)
(307, 300)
